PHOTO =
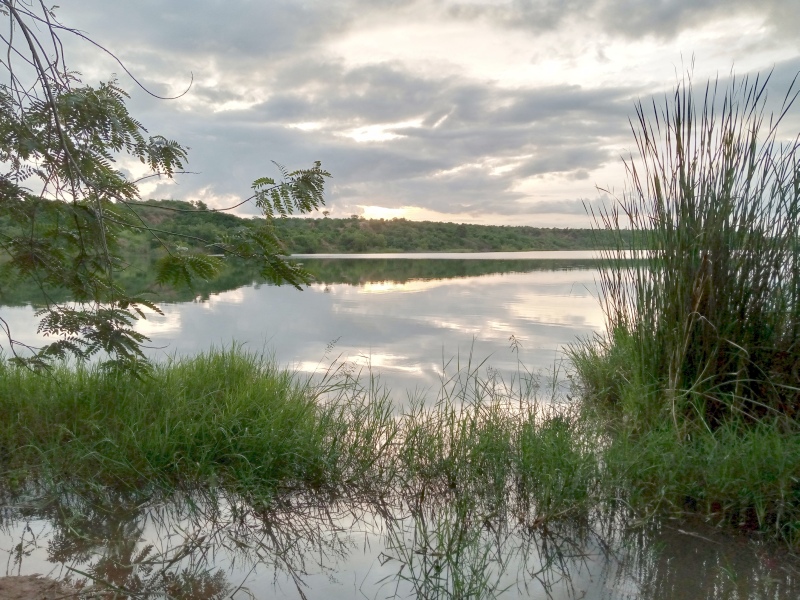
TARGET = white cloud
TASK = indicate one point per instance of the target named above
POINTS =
(481, 111)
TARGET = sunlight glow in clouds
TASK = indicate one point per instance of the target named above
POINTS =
(474, 111)
(381, 212)
(380, 132)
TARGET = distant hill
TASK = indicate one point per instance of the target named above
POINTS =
(358, 235)
(189, 226)
(311, 236)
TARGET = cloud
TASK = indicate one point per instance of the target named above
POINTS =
(579, 206)
(631, 18)
(450, 106)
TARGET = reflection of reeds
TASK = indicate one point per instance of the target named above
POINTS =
(446, 550)
(203, 545)
(448, 546)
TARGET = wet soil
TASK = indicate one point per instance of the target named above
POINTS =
(33, 587)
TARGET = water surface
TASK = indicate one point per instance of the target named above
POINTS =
(318, 548)
(405, 317)
(411, 319)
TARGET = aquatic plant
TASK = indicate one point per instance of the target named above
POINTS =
(708, 312)
(700, 361)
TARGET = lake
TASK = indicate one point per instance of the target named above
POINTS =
(413, 320)
(405, 316)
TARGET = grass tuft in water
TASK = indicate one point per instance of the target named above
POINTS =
(232, 420)
(700, 362)
(222, 417)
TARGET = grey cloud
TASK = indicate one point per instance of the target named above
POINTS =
(576, 158)
(208, 27)
(387, 93)
(667, 18)
(630, 18)
(535, 14)
(272, 49)
(579, 206)
(425, 168)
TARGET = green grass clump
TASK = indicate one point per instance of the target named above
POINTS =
(232, 419)
(557, 464)
(498, 443)
(741, 476)
(223, 416)
(232, 423)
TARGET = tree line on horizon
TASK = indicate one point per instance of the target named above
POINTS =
(355, 234)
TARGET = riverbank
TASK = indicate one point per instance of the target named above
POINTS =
(33, 587)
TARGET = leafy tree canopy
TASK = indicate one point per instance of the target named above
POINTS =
(64, 204)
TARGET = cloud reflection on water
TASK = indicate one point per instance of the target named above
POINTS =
(405, 328)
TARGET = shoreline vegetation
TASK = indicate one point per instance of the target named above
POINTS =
(193, 227)
(139, 276)
(232, 421)
(186, 228)
(698, 371)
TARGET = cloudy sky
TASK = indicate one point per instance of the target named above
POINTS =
(484, 111)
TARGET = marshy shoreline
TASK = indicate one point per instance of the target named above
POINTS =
(228, 438)
(687, 407)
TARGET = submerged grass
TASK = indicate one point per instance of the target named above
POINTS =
(234, 420)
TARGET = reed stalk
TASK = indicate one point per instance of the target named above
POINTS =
(707, 312)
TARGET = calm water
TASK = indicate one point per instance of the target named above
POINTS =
(321, 549)
(410, 319)
(406, 317)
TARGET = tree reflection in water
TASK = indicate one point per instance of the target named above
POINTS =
(214, 545)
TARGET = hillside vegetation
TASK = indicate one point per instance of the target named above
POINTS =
(311, 236)
(184, 227)
(191, 224)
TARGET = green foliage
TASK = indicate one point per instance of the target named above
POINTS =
(223, 415)
(301, 191)
(233, 423)
(697, 372)
(234, 418)
(741, 475)
(193, 227)
(183, 268)
(342, 236)
(68, 214)
(709, 315)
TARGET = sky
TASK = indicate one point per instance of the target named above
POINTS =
(476, 111)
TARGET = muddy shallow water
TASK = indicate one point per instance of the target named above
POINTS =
(304, 546)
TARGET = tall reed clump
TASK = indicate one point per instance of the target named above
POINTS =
(704, 321)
